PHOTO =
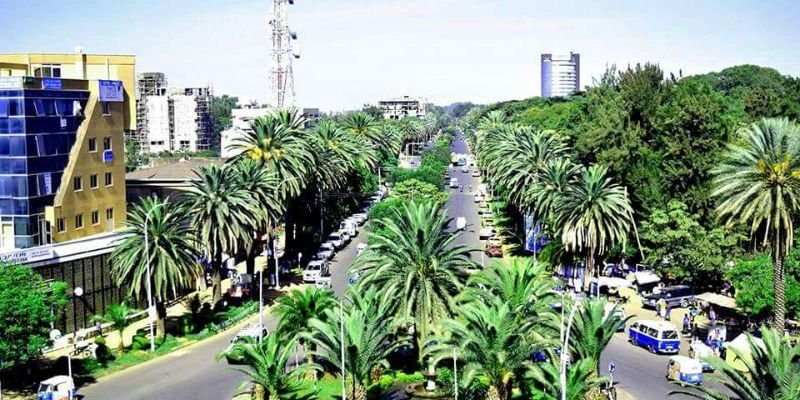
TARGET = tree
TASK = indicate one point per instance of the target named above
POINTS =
(772, 371)
(373, 111)
(221, 211)
(299, 307)
(368, 337)
(542, 381)
(172, 257)
(752, 278)
(27, 307)
(592, 330)
(413, 189)
(758, 183)
(221, 107)
(265, 365)
(118, 315)
(594, 213)
(683, 250)
(417, 263)
(134, 157)
(489, 341)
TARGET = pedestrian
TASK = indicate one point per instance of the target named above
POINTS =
(662, 308)
(695, 331)
(686, 324)
(712, 316)
(668, 313)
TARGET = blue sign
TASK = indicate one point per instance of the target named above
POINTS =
(111, 91)
(51, 84)
(535, 239)
(108, 156)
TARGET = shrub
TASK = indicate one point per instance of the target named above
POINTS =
(139, 342)
(402, 377)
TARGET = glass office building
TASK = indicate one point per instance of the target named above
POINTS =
(38, 128)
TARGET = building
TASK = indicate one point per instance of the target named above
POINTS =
(147, 84)
(62, 130)
(241, 118)
(168, 180)
(401, 107)
(177, 119)
(561, 74)
(312, 116)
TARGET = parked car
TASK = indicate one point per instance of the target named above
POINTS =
(327, 249)
(476, 173)
(478, 198)
(314, 270)
(461, 223)
(336, 239)
(674, 296)
(360, 217)
(486, 232)
(349, 226)
(255, 332)
(619, 314)
(465, 169)
(360, 248)
(322, 255)
(494, 250)
(656, 336)
(454, 183)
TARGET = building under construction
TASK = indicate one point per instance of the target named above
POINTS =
(172, 119)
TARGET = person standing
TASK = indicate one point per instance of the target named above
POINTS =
(662, 308)
(712, 316)
(686, 324)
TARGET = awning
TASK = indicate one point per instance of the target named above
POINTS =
(718, 300)
(646, 277)
(612, 282)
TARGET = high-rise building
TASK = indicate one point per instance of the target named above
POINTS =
(400, 107)
(561, 74)
(177, 119)
(63, 118)
(147, 84)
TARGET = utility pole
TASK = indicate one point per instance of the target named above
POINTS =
(281, 72)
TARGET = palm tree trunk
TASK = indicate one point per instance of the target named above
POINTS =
(493, 393)
(779, 282)
(216, 278)
(359, 391)
(121, 347)
(259, 392)
(274, 396)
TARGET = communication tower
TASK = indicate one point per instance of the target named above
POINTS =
(281, 74)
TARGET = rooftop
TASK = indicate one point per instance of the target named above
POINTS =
(176, 171)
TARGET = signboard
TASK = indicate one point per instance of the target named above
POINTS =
(10, 82)
(51, 84)
(108, 156)
(48, 183)
(111, 91)
(28, 255)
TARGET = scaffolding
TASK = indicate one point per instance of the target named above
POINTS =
(147, 84)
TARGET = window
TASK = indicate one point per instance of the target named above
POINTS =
(95, 217)
(106, 108)
(109, 213)
(78, 221)
(92, 144)
(4, 108)
(48, 71)
(60, 225)
(109, 180)
(77, 184)
(107, 143)
(93, 181)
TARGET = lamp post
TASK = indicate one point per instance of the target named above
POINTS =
(565, 350)
(150, 310)
(341, 333)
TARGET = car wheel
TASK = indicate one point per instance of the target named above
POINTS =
(684, 303)
(651, 348)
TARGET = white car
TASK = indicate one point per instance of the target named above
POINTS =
(336, 240)
(360, 248)
(478, 198)
(700, 351)
(327, 250)
(315, 270)
(346, 235)
(255, 332)
(454, 183)
(360, 218)
(461, 223)
(465, 169)
(476, 173)
(486, 232)
(324, 282)
(349, 226)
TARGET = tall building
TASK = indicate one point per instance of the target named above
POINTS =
(400, 107)
(561, 74)
(147, 84)
(175, 119)
(63, 118)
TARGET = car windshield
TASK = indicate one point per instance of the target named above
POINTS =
(334, 236)
(314, 267)
(669, 334)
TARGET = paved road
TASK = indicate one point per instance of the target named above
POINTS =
(193, 373)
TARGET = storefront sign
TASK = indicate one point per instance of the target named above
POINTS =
(10, 82)
(51, 84)
(28, 255)
(111, 91)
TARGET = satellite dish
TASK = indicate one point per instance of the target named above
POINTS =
(293, 34)
(296, 52)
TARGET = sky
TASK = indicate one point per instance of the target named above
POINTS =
(354, 52)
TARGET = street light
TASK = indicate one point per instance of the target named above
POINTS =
(565, 348)
(150, 310)
(341, 333)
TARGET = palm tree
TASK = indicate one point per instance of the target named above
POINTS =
(417, 260)
(221, 212)
(542, 380)
(265, 366)
(549, 188)
(594, 213)
(489, 341)
(772, 371)
(758, 183)
(524, 288)
(299, 307)
(363, 125)
(261, 185)
(119, 315)
(172, 256)
(592, 330)
(368, 337)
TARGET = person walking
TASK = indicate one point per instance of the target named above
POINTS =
(686, 324)
(662, 308)
(712, 315)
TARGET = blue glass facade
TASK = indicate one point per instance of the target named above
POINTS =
(37, 131)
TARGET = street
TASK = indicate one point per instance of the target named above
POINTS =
(192, 373)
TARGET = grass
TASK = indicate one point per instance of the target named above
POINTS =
(329, 387)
